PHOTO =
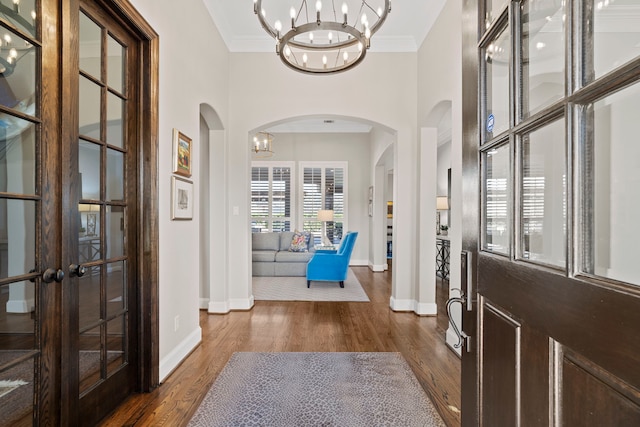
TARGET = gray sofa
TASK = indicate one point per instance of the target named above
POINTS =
(271, 256)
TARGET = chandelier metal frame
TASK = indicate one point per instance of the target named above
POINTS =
(263, 144)
(292, 40)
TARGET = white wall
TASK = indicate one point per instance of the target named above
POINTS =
(193, 70)
(353, 148)
(381, 90)
(440, 80)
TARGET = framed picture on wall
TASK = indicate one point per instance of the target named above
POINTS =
(181, 154)
(181, 199)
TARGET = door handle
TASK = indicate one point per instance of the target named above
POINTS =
(460, 300)
(51, 275)
(77, 270)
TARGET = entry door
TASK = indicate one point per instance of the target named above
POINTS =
(553, 166)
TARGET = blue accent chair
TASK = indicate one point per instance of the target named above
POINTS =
(328, 267)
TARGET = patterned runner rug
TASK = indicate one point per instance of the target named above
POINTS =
(295, 289)
(316, 389)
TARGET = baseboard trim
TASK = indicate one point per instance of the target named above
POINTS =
(171, 361)
(241, 303)
(378, 268)
(358, 263)
(218, 307)
(426, 309)
(401, 304)
(204, 303)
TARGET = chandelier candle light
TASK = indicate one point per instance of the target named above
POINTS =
(325, 42)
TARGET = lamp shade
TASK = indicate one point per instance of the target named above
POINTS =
(325, 215)
(442, 203)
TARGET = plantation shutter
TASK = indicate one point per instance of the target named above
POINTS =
(271, 195)
(324, 188)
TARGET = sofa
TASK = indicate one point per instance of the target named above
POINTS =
(272, 254)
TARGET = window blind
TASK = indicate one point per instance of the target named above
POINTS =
(271, 198)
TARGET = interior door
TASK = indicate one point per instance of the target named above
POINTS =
(553, 171)
(30, 258)
(103, 316)
(69, 284)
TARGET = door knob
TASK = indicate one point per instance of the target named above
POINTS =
(50, 275)
(77, 270)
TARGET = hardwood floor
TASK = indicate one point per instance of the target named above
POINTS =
(303, 326)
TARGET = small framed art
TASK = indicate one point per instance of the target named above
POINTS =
(181, 154)
(181, 199)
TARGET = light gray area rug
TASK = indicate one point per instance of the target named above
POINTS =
(295, 289)
(316, 389)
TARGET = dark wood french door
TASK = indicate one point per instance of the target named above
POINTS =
(71, 290)
(551, 208)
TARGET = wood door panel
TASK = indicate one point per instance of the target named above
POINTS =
(536, 373)
(556, 306)
(588, 400)
(500, 343)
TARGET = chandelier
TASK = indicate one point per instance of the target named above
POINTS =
(324, 41)
(262, 142)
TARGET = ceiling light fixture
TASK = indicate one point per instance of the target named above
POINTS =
(262, 144)
(325, 42)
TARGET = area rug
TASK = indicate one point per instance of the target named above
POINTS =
(295, 289)
(316, 389)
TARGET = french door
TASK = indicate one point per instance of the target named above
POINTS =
(551, 159)
(70, 234)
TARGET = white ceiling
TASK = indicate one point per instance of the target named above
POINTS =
(404, 31)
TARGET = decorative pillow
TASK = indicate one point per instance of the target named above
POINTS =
(300, 241)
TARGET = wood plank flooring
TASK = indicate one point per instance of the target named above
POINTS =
(303, 326)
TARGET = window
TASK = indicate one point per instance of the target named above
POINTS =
(324, 187)
(271, 195)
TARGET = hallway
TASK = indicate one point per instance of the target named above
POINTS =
(304, 327)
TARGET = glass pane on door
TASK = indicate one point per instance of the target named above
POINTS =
(543, 195)
(90, 47)
(543, 53)
(496, 83)
(615, 229)
(115, 71)
(496, 200)
(18, 154)
(493, 10)
(616, 34)
(18, 69)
